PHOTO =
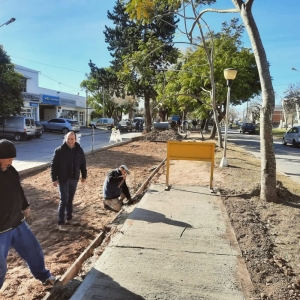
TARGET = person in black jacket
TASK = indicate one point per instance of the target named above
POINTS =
(14, 216)
(67, 163)
(115, 188)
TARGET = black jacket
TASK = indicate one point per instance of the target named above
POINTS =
(68, 163)
(111, 184)
(12, 199)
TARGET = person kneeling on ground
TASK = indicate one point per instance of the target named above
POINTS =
(14, 218)
(115, 188)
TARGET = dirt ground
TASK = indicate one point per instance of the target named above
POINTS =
(268, 233)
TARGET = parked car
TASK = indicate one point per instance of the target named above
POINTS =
(125, 125)
(247, 127)
(61, 124)
(17, 127)
(39, 129)
(107, 123)
(292, 137)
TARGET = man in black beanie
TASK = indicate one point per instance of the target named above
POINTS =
(14, 212)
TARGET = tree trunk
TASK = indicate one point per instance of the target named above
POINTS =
(268, 162)
(214, 129)
(148, 122)
(162, 113)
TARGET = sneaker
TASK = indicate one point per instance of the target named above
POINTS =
(71, 222)
(50, 282)
(62, 228)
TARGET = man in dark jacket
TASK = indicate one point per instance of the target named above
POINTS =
(115, 188)
(14, 215)
(67, 163)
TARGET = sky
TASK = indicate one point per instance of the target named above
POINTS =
(58, 38)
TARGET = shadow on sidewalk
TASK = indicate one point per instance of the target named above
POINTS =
(150, 216)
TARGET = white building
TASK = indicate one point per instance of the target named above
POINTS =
(44, 104)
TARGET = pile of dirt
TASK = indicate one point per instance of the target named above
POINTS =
(162, 136)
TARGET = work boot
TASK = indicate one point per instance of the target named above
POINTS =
(50, 282)
(71, 222)
(129, 201)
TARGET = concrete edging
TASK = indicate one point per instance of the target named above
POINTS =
(75, 267)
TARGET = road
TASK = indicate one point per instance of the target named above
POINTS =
(37, 152)
(287, 157)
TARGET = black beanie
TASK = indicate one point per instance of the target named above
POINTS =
(7, 149)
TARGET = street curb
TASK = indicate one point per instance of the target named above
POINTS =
(47, 165)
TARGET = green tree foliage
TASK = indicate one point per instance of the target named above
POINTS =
(187, 86)
(11, 100)
(140, 49)
(105, 88)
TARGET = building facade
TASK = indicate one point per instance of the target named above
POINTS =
(44, 104)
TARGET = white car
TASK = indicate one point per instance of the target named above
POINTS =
(107, 123)
(292, 137)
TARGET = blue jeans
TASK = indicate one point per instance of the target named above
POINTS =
(67, 191)
(25, 243)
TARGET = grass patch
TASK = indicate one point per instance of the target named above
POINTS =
(278, 132)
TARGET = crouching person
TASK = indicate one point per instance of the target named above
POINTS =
(14, 216)
(115, 188)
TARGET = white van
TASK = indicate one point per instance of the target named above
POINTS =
(17, 127)
(107, 123)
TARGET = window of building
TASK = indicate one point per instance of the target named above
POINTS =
(81, 118)
(24, 83)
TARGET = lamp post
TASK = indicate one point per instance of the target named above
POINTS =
(8, 22)
(229, 75)
(103, 102)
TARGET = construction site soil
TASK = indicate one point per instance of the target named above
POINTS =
(268, 233)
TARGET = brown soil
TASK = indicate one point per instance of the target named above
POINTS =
(267, 233)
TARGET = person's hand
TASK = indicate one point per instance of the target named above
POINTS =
(27, 215)
(83, 180)
(55, 183)
(124, 176)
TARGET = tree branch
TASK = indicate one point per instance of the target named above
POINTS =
(231, 10)
(248, 5)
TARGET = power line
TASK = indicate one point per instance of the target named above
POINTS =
(77, 89)
(49, 65)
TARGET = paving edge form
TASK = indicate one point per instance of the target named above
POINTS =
(76, 266)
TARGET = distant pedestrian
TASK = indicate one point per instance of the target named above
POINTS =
(14, 219)
(141, 126)
(179, 125)
(137, 125)
(67, 164)
(194, 123)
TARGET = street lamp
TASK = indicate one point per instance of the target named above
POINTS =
(229, 75)
(294, 69)
(8, 22)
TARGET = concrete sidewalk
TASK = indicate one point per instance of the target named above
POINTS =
(175, 244)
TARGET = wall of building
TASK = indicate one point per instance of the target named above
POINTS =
(43, 103)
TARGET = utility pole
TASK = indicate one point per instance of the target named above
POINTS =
(103, 102)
